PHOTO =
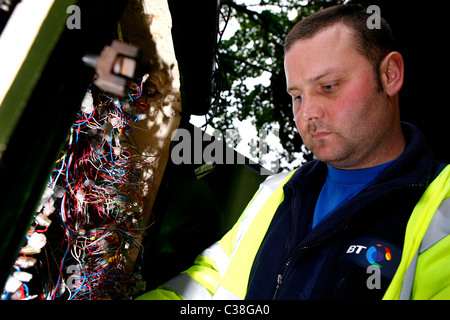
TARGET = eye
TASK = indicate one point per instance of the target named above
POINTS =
(298, 98)
(329, 88)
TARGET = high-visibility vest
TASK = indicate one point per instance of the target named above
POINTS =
(424, 270)
(222, 271)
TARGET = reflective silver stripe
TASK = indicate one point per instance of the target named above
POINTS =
(438, 229)
(439, 226)
(408, 279)
(216, 253)
(265, 191)
(223, 294)
(187, 287)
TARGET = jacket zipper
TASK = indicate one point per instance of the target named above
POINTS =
(298, 249)
(286, 265)
(279, 281)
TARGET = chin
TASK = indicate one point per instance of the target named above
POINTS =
(334, 160)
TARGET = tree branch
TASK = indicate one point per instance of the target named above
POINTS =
(254, 16)
(227, 55)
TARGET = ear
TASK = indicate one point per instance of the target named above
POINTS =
(392, 72)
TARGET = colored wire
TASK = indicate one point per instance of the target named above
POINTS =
(99, 184)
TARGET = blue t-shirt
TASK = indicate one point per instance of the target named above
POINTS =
(342, 185)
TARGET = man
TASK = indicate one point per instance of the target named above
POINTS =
(334, 228)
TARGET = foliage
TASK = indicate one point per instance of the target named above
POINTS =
(256, 49)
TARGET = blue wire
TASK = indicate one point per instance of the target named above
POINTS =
(68, 246)
(27, 291)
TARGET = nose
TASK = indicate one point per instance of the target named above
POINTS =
(310, 109)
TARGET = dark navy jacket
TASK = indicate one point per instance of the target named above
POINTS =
(353, 253)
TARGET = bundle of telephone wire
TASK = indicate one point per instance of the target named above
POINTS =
(84, 242)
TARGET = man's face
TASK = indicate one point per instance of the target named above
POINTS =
(341, 116)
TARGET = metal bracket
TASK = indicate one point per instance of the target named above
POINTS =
(114, 65)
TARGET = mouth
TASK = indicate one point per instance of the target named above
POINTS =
(319, 135)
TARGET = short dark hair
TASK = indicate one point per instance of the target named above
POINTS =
(374, 44)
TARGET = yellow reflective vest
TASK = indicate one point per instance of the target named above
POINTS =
(222, 271)
(424, 270)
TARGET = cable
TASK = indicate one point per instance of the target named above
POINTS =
(90, 215)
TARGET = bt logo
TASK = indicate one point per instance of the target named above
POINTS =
(375, 255)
